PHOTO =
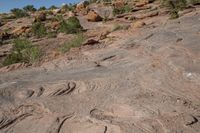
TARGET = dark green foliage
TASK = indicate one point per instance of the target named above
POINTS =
(70, 26)
(53, 7)
(29, 8)
(18, 13)
(39, 29)
(42, 8)
(23, 51)
(71, 7)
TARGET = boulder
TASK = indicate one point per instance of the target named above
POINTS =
(92, 16)
(82, 5)
(4, 35)
(56, 11)
(71, 14)
(21, 30)
(40, 17)
(55, 25)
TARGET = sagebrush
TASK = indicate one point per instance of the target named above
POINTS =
(23, 51)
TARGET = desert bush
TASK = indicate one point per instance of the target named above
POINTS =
(174, 6)
(124, 9)
(39, 29)
(18, 13)
(53, 7)
(23, 51)
(42, 8)
(70, 26)
(29, 8)
(58, 17)
(75, 42)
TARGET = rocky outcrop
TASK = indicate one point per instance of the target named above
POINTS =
(13, 67)
(21, 30)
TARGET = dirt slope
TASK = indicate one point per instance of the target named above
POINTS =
(146, 81)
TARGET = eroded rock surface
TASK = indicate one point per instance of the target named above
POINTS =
(146, 81)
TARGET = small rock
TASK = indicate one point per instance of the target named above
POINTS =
(138, 24)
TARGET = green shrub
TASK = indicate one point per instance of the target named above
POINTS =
(42, 8)
(125, 9)
(71, 7)
(58, 17)
(29, 8)
(75, 42)
(23, 51)
(70, 26)
(39, 29)
(19, 13)
(174, 6)
(53, 7)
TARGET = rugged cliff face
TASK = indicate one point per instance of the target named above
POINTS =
(136, 72)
